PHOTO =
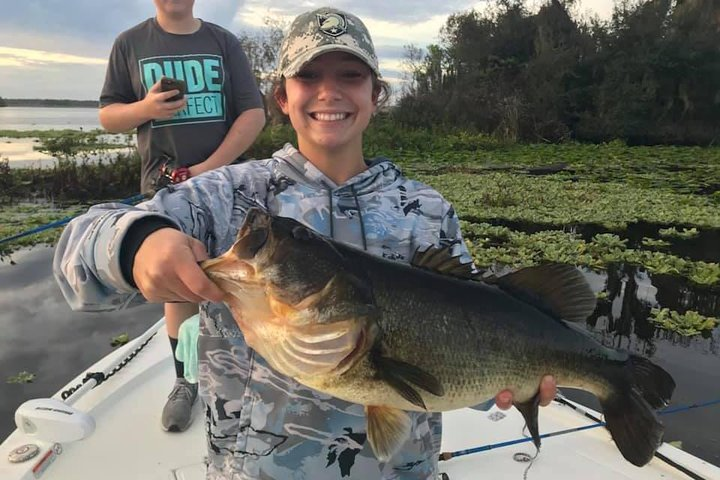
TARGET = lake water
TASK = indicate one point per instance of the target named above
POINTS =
(21, 152)
(44, 118)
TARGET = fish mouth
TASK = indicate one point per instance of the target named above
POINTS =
(237, 267)
(230, 272)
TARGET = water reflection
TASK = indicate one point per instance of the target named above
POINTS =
(621, 319)
(40, 334)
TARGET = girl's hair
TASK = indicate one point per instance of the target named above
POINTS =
(381, 89)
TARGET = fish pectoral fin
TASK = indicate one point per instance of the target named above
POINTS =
(529, 412)
(387, 428)
(397, 374)
(556, 287)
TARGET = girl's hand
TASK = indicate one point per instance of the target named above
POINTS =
(548, 390)
(166, 269)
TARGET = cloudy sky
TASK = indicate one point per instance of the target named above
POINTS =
(59, 48)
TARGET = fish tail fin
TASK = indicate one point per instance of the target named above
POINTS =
(633, 426)
(655, 384)
(629, 408)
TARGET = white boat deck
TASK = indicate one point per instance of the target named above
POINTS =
(128, 442)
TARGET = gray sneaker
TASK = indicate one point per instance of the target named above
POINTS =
(177, 414)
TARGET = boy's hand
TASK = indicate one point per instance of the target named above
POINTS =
(157, 105)
(166, 269)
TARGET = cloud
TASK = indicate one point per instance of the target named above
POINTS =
(65, 42)
(405, 12)
(25, 57)
(87, 19)
(92, 20)
(54, 80)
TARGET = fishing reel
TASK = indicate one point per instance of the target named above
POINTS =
(170, 175)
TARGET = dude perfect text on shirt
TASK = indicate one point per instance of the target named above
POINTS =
(204, 76)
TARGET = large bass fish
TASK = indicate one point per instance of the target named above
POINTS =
(426, 337)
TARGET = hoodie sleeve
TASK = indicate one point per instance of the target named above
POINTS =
(87, 263)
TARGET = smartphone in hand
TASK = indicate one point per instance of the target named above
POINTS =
(167, 84)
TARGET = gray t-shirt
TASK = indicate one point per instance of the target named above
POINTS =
(220, 86)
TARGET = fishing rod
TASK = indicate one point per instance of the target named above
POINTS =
(599, 423)
(59, 223)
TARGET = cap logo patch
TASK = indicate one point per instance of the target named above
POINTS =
(332, 24)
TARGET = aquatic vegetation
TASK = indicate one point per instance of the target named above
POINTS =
(655, 242)
(43, 134)
(498, 188)
(490, 245)
(23, 217)
(558, 203)
(672, 232)
(72, 180)
(704, 273)
(687, 324)
(119, 340)
(21, 377)
(609, 243)
(66, 146)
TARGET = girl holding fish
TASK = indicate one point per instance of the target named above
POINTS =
(262, 424)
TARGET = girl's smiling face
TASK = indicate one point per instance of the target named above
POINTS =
(330, 102)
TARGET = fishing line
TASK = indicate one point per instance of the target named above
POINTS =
(59, 223)
(524, 457)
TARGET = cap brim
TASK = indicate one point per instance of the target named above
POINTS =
(304, 58)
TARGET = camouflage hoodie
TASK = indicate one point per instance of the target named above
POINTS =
(261, 424)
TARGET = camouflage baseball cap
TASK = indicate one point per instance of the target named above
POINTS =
(321, 31)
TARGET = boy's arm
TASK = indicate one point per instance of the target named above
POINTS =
(239, 138)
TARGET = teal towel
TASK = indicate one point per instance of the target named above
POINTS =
(186, 350)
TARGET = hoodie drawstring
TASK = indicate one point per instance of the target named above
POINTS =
(362, 224)
(332, 223)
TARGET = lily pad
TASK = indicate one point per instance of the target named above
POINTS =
(22, 377)
(119, 340)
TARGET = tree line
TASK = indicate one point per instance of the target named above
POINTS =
(46, 102)
(649, 75)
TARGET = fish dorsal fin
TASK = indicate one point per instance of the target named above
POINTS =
(557, 287)
(442, 260)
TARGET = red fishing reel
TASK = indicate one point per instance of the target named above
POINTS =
(180, 174)
(169, 175)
